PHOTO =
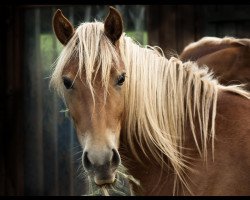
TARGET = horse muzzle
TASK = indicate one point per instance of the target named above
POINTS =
(104, 171)
(104, 177)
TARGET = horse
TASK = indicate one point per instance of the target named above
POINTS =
(171, 124)
(228, 57)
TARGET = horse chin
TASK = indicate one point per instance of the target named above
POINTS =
(108, 180)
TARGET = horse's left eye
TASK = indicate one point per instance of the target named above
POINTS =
(121, 79)
(67, 82)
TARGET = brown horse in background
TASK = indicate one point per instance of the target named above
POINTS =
(228, 57)
(170, 123)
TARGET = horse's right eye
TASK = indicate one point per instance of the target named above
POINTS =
(67, 83)
(121, 79)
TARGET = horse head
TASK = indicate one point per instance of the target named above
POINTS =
(91, 78)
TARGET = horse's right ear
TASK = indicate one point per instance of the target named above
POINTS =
(113, 25)
(63, 29)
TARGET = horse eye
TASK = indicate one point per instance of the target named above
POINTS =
(67, 83)
(121, 79)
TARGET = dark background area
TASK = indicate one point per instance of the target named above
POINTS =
(171, 27)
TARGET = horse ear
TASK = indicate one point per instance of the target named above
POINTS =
(63, 29)
(113, 25)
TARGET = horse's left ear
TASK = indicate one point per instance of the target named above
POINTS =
(63, 29)
(113, 25)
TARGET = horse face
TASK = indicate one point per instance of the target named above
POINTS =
(97, 121)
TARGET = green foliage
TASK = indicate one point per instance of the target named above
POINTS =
(140, 36)
(50, 48)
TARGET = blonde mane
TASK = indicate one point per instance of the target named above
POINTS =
(160, 94)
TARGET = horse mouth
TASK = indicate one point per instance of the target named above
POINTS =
(117, 183)
(103, 181)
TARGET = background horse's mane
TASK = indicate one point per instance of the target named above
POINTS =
(160, 94)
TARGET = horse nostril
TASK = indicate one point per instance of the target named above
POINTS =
(116, 158)
(86, 162)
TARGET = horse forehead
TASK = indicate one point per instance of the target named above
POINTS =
(71, 68)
